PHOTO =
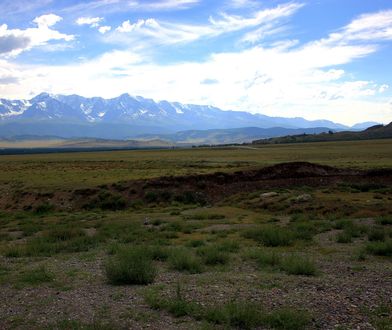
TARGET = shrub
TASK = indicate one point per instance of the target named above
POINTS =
(305, 231)
(44, 208)
(54, 241)
(184, 261)
(271, 236)
(14, 252)
(151, 197)
(385, 221)
(344, 237)
(191, 197)
(196, 243)
(177, 306)
(213, 255)
(229, 246)
(376, 234)
(107, 201)
(63, 234)
(287, 318)
(297, 265)
(380, 248)
(341, 224)
(131, 267)
(158, 252)
(265, 258)
(36, 276)
(242, 315)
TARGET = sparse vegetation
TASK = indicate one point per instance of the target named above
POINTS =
(271, 236)
(36, 276)
(213, 255)
(133, 266)
(297, 265)
(380, 248)
(184, 260)
(235, 314)
(209, 249)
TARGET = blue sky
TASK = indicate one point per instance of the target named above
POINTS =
(316, 59)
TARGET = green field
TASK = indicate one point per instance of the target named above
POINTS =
(71, 170)
(302, 256)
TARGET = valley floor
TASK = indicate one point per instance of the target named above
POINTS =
(129, 249)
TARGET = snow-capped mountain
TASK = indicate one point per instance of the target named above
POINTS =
(126, 112)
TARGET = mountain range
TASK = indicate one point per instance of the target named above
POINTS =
(125, 117)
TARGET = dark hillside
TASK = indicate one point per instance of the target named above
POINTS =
(374, 132)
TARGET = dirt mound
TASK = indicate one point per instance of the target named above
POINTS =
(197, 189)
(293, 170)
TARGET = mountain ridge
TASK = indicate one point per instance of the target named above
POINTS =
(370, 133)
(136, 112)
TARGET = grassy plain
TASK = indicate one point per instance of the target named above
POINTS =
(300, 258)
(86, 169)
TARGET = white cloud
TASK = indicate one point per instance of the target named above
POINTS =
(91, 21)
(45, 21)
(373, 27)
(127, 26)
(235, 23)
(151, 31)
(15, 41)
(165, 4)
(383, 88)
(242, 3)
(370, 27)
(114, 6)
(104, 29)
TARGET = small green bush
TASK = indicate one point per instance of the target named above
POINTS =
(183, 260)
(271, 236)
(380, 248)
(213, 255)
(54, 241)
(229, 246)
(107, 200)
(342, 224)
(376, 234)
(305, 231)
(344, 237)
(297, 265)
(191, 197)
(264, 258)
(240, 315)
(36, 276)
(151, 197)
(178, 306)
(131, 267)
(44, 208)
(196, 243)
(287, 318)
(385, 221)
(160, 253)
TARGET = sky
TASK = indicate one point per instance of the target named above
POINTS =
(317, 59)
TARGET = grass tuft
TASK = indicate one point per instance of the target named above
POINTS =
(183, 260)
(380, 248)
(213, 255)
(36, 276)
(131, 267)
(271, 236)
(233, 314)
(297, 265)
(264, 258)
